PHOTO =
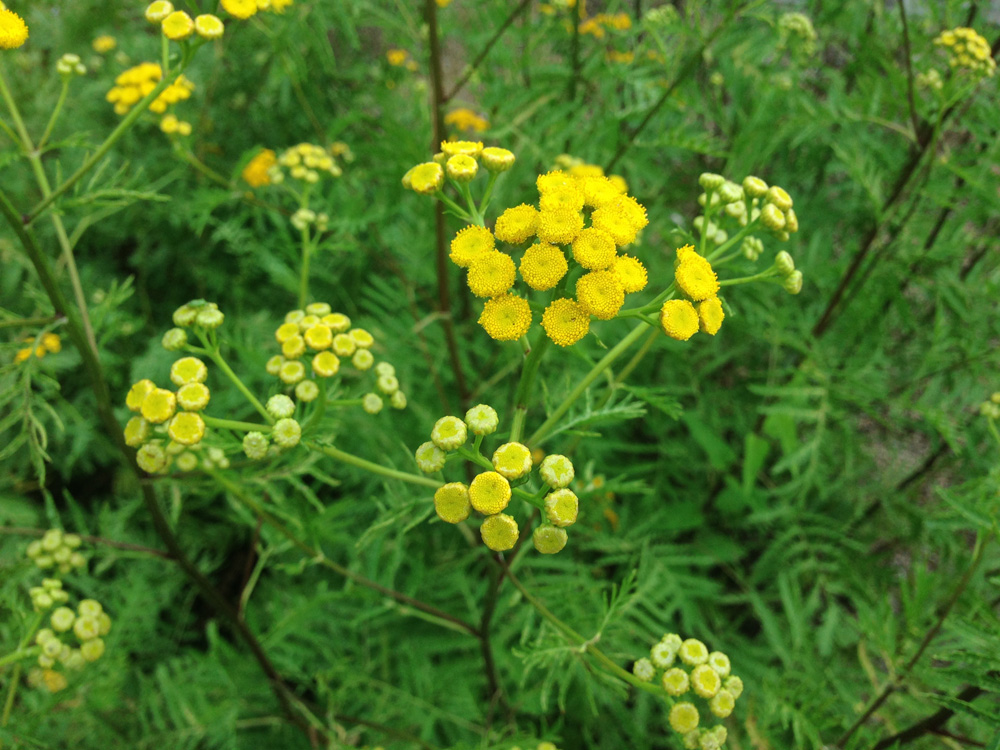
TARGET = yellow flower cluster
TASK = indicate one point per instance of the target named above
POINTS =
(177, 25)
(598, 24)
(400, 58)
(466, 120)
(13, 30)
(328, 338)
(968, 51)
(490, 491)
(686, 669)
(243, 9)
(49, 343)
(696, 279)
(56, 549)
(138, 81)
(306, 162)
(257, 171)
(89, 623)
(562, 233)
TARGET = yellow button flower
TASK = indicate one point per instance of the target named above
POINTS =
(600, 293)
(679, 319)
(372, 403)
(461, 168)
(257, 171)
(158, 10)
(104, 44)
(630, 272)
(286, 331)
(449, 433)
(554, 180)
(512, 460)
(562, 507)
(696, 278)
(489, 492)
(178, 26)
(506, 318)
(557, 471)
(344, 345)
(676, 681)
(472, 243)
(599, 191)
(361, 338)
(517, 224)
(137, 432)
(208, 26)
(292, 372)
(565, 322)
(559, 227)
(497, 159)
(693, 652)
(705, 681)
(594, 249)
(286, 433)
(568, 198)
(151, 458)
(622, 218)
(683, 717)
(429, 458)
(549, 539)
(425, 179)
(187, 428)
(193, 396)
(720, 663)
(492, 274)
(240, 8)
(734, 685)
(466, 148)
(137, 394)
(188, 370)
(543, 266)
(293, 347)
(482, 419)
(451, 502)
(159, 405)
(337, 322)
(318, 337)
(363, 360)
(722, 704)
(326, 364)
(710, 315)
(499, 532)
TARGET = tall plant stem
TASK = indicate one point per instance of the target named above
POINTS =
(92, 368)
(522, 396)
(595, 372)
(8, 704)
(895, 684)
(471, 68)
(316, 554)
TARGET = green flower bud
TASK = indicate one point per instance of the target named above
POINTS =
(52, 540)
(255, 445)
(62, 619)
(772, 217)
(705, 681)
(92, 650)
(710, 181)
(793, 282)
(86, 628)
(41, 601)
(791, 221)
(683, 718)
(736, 210)
(780, 199)
(280, 406)
(557, 471)
(307, 390)
(693, 652)
(734, 685)
(751, 247)
(186, 461)
(210, 318)
(730, 192)
(429, 458)
(174, 340)
(722, 704)
(676, 681)
(549, 539)
(397, 400)
(644, 669)
(562, 507)
(273, 365)
(784, 263)
(286, 433)
(184, 316)
(720, 663)
(482, 420)
(372, 403)
(152, 458)
(754, 187)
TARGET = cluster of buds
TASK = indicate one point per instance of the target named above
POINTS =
(70, 65)
(172, 125)
(305, 162)
(178, 26)
(968, 52)
(460, 161)
(306, 217)
(138, 81)
(89, 624)
(48, 595)
(991, 407)
(491, 491)
(796, 34)
(686, 670)
(58, 550)
(49, 343)
(752, 201)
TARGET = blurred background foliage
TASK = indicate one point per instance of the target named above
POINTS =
(803, 491)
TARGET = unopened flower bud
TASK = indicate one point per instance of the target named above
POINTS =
(174, 340)
(793, 282)
(784, 263)
(754, 187)
(710, 181)
(772, 217)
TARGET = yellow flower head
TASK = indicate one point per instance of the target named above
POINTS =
(317, 337)
(426, 178)
(600, 293)
(362, 338)
(467, 148)
(429, 458)
(683, 717)
(466, 119)
(208, 26)
(720, 663)
(506, 318)
(482, 419)
(471, 244)
(338, 322)
(178, 25)
(344, 345)
(499, 532)
(679, 319)
(240, 8)
(734, 685)
(560, 226)
(372, 403)
(293, 347)
(151, 458)
(622, 218)
(492, 274)
(449, 433)
(363, 360)
(286, 433)
(326, 364)
(137, 394)
(565, 322)
(557, 471)
(159, 10)
(187, 428)
(193, 396)
(497, 159)
(705, 681)
(569, 197)
(594, 249)
(554, 181)
(695, 277)
(676, 681)
(489, 492)
(512, 460)
(598, 191)
(543, 266)
(137, 432)
(291, 372)
(159, 405)
(188, 370)
(693, 652)
(451, 502)
(517, 224)
(13, 30)
(104, 44)
(630, 272)
(562, 507)
(722, 704)
(549, 539)
(461, 167)
(710, 315)
(396, 57)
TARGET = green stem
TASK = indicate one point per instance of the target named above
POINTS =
(317, 555)
(22, 652)
(738, 237)
(374, 468)
(188, 156)
(475, 457)
(55, 113)
(525, 384)
(304, 276)
(232, 424)
(216, 356)
(488, 194)
(620, 348)
(768, 274)
(27, 322)
(456, 209)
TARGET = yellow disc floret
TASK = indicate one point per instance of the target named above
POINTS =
(710, 315)
(178, 25)
(693, 652)
(137, 394)
(512, 460)
(426, 178)
(429, 458)
(600, 293)
(676, 681)
(695, 277)
(517, 224)
(240, 8)
(193, 396)
(187, 428)
(159, 405)
(631, 273)
(451, 502)
(499, 532)
(543, 266)
(622, 218)
(559, 226)
(326, 364)
(449, 433)
(208, 26)
(137, 432)
(496, 159)
(492, 274)
(565, 322)
(549, 539)
(318, 337)
(489, 492)
(679, 319)
(562, 507)
(13, 30)
(506, 318)
(188, 370)
(471, 244)
(594, 249)
(465, 148)
(683, 717)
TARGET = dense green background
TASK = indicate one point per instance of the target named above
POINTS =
(803, 499)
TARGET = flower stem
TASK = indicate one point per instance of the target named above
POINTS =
(374, 468)
(304, 277)
(55, 113)
(216, 356)
(232, 424)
